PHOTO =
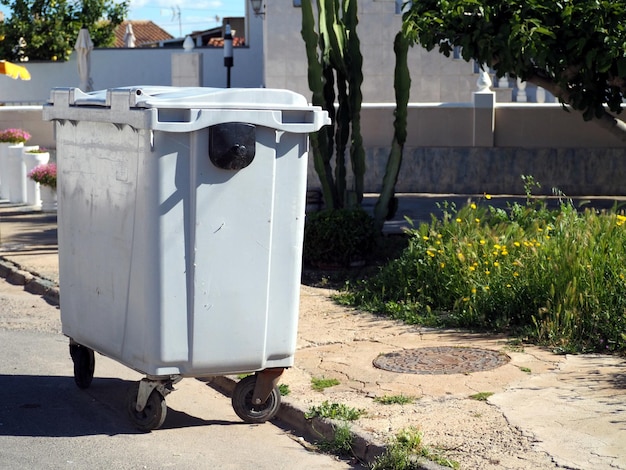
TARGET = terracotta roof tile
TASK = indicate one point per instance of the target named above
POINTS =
(146, 32)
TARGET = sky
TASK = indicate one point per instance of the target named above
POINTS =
(181, 17)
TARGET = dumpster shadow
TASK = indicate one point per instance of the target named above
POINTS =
(53, 406)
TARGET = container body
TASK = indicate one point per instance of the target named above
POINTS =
(173, 265)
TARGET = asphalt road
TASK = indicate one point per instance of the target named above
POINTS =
(46, 421)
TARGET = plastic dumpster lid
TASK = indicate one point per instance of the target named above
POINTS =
(140, 107)
(194, 97)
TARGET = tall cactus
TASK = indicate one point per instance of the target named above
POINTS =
(402, 84)
(357, 152)
(335, 73)
(319, 140)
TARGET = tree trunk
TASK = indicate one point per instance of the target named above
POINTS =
(607, 121)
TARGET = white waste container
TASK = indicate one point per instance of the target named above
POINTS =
(180, 228)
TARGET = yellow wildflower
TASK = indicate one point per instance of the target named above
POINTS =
(473, 206)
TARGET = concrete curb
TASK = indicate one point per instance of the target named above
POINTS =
(32, 282)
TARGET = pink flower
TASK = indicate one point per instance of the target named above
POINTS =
(14, 136)
(45, 174)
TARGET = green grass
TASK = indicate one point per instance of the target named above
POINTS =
(283, 389)
(405, 449)
(334, 411)
(481, 396)
(321, 383)
(395, 400)
(555, 277)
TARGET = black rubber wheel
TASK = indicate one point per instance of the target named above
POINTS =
(84, 365)
(250, 413)
(152, 416)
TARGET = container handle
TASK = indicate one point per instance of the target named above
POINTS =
(202, 118)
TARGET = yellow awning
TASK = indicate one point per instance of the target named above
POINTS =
(13, 70)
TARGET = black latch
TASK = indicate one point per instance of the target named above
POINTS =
(232, 145)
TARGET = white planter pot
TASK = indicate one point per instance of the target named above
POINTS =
(48, 199)
(16, 173)
(4, 168)
(33, 191)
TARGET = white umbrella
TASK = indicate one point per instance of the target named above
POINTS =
(83, 47)
(129, 36)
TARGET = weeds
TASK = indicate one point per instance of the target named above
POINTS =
(321, 383)
(334, 411)
(341, 444)
(283, 389)
(404, 452)
(555, 277)
(481, 396)
(395, 400)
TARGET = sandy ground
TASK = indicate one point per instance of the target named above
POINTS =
(338, 342)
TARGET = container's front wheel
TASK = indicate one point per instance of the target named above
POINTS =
(152, 416)
(84, 364)
(249, 412)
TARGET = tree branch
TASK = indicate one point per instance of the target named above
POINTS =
(607, 121)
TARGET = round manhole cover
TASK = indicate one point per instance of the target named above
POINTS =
(441, 360)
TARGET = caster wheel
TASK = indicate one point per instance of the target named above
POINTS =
(246, 410)
(152, 416)
(84, 365)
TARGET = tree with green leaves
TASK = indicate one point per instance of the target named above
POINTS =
(47, 29)
(576, 49)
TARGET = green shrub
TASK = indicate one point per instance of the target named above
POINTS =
(338, 237)
(554, 276)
